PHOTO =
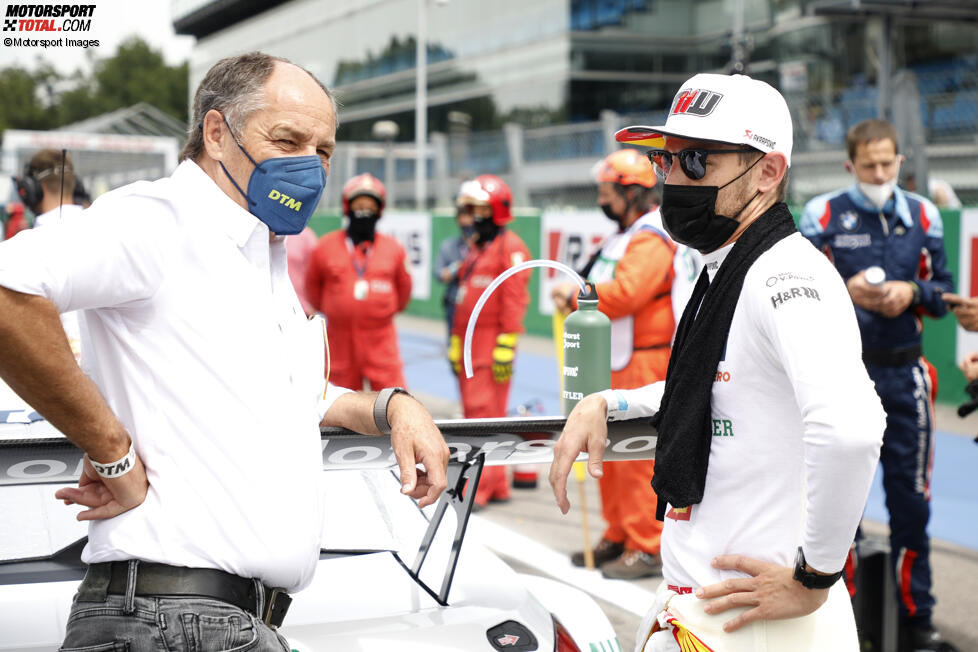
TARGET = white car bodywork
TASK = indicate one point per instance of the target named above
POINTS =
(362, 597)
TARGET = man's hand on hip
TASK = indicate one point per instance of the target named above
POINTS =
(37, 362)
(771, 590)
(586, 431)
(416, 439)
(106, 497)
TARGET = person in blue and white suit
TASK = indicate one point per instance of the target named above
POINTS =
(888, 246)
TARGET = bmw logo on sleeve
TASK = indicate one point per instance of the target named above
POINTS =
(511, 635)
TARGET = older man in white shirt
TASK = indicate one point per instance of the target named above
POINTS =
(201, 399)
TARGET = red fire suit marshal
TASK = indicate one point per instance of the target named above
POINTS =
(358, 279)
(501, 320)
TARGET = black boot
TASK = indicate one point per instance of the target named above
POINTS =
(925, 639)
(605, 551)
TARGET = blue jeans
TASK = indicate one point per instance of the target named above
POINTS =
(100, 622)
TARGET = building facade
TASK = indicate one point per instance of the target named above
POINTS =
(533, 65)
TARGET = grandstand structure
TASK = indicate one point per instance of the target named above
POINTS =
(533, 91)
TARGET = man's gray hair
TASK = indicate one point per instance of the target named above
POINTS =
(235, 87)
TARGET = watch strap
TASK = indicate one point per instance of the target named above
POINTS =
(915, 288)
(380, 408)
(812, 580)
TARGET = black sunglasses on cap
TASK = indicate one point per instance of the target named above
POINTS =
(692, 161)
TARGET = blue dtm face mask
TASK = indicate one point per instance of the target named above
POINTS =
(283, 191)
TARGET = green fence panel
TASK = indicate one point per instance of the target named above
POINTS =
(323, 223)
(940, 334)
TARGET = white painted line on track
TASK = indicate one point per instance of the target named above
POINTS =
(508, 543)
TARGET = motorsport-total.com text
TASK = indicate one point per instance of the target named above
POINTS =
(44, 18)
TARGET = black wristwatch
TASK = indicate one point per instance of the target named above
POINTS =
(812, 580)
(380, 408)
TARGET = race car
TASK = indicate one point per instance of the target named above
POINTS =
(390, 576)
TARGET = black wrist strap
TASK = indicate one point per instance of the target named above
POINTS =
(380, 408)
(812, 580)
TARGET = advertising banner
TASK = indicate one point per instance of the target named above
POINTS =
(967, 280)
(570, 237)
(413, 231)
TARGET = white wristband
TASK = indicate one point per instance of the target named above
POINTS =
(116, 469)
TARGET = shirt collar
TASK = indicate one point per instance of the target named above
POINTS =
(55, 215)
(714, 259)
(210, 201)
(897, 203)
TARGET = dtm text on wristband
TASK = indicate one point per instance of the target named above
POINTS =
(116, 469)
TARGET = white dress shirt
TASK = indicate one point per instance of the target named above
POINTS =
(69, 320)
(796, 422)
(198, 343)
(59, 214)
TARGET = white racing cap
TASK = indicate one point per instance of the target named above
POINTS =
(732, 109)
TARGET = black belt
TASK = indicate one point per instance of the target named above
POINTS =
(892, 357)
(162, 580)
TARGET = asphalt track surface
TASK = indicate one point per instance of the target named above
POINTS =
(532, 535)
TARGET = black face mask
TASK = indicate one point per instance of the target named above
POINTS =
(610, 214)
(362, 225)
(486, 230)
(689, 215)
(467, 231)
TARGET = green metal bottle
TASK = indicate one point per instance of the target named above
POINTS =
(587, 350)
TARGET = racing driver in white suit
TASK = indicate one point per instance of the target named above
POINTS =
(769, 428)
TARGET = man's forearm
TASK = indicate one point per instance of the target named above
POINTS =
(353, 411)
(842, 445)
(37, 362)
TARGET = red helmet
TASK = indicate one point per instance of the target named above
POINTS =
(625, 167)
(488, 190)
(364, 184)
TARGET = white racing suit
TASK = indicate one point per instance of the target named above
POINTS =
(683, 626)
(797, 427)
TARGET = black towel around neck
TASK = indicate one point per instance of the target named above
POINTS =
(683, 420)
